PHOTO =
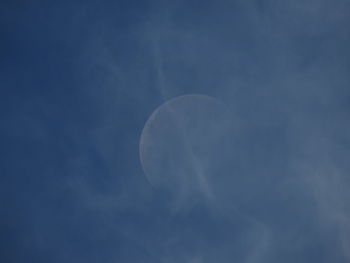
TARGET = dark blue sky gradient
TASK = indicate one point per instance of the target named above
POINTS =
(78, 83)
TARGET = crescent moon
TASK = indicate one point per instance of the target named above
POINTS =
(180, 144)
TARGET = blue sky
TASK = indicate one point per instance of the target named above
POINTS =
(265, 181)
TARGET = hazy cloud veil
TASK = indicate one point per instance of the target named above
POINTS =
(250, 128)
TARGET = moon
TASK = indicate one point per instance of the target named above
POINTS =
(181, 144)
